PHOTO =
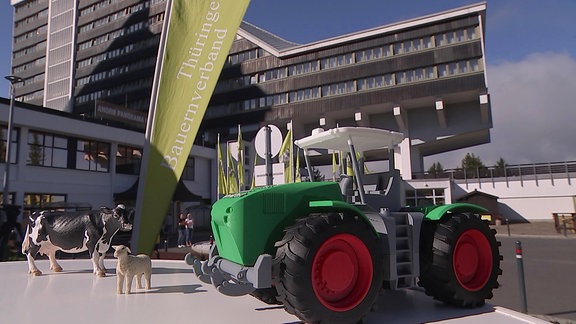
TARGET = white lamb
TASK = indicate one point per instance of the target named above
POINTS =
(130, 266)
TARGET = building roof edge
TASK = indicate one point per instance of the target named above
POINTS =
(281, 47)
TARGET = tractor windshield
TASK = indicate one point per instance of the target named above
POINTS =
(350, 140)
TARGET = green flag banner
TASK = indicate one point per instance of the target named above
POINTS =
(240, 159)
(222, 179)
(195, 42)
(232, 178)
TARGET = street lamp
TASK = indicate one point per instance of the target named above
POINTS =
(13, 80)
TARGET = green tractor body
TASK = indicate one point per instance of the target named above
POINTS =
(239, 221)
(325, 249)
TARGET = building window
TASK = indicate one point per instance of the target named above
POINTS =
(338, 88)
(238, 58)
(471, 33)
(303, 68)
(272, 74)
(304, 94)
(38, 201)
(92, 155)
(13, 146)
(47, 150)
(460, 67)
(128, 160)
(425, 197)
(189, 169)
(440, 40)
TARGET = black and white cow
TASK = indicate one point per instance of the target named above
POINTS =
(51, 231)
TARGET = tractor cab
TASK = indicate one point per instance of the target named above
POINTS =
(377, 190)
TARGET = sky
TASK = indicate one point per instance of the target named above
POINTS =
(530, 55)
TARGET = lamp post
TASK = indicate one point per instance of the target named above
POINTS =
(13, 80)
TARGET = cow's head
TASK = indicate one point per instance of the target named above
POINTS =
(124, 215)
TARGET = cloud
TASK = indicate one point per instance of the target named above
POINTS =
(533, 111)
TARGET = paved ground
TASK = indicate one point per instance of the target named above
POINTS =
(542, 228)
(548, 266)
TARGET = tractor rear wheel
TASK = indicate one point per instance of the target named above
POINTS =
(267, 295)
(462, 265)
(328, 268)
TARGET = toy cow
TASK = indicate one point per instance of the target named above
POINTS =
(51, 231)
(130, 266)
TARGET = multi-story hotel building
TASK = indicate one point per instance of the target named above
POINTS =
(425, 77)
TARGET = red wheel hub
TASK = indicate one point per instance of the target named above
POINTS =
(472, 260)
(342, 272)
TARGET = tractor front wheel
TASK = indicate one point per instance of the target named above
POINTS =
(328, 268)
(462, 265)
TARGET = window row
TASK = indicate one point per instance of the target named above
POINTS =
(40, 47)
(36, 95)
(237, 58)
(119, 51)
(350, 86)
(117, 90)
(138, 65)
(57, 151)
(30, 34)
(29, 4)
(29, 65)
(126, 12)
(374, 53)
(105, 3)
(121, 32)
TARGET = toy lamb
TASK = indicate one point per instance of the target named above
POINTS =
(130, 266)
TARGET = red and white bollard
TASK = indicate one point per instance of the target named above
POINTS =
(521, 282)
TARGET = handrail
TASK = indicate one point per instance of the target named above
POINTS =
(531, 170)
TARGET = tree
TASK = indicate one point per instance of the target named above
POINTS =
(317, 175)
(471, 164)
(501, 167)
(435, 169)
(36, 157)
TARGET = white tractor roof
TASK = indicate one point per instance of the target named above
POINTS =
(363, 138)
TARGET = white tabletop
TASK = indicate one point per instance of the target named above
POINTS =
(177, 296)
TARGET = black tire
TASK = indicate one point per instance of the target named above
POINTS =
(306, 260)
(267, 295)
(462, 264)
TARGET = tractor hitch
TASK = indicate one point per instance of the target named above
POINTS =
(230, 278)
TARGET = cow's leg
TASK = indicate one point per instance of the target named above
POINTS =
(30, 250)
(31, 265)
(100, 250)
(119, 282)
(101, 261)
(54, 266)
(94, 250)
(96, 264)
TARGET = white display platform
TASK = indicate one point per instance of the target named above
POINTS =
(177, 296)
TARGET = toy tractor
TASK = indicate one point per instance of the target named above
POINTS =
(310, 247)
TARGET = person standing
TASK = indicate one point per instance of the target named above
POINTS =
(181, 231)
(189, 229)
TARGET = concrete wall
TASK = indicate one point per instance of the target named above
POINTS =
(528, 198)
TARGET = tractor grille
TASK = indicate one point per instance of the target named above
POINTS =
(273, 203)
